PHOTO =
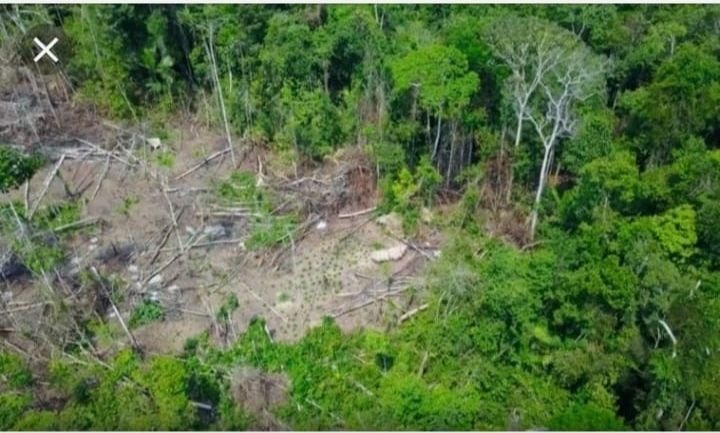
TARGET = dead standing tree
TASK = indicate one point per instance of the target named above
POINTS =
(550, 71)
(577, 77)
(531, 49)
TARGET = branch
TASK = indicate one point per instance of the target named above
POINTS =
(46, 185)
(670, 334)
(114, 307)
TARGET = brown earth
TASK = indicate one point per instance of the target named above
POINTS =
(326, 271)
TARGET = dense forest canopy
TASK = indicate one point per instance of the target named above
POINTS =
(587, 136)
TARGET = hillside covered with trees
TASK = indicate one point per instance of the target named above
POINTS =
(568, 156)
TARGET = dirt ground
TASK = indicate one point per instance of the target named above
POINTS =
(144, 212)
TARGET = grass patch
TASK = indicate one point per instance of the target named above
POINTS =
(231, 304)
(39, 249)
(266, 228)
(166, 159)
(147, 312)
(57, 215)
(105, 334)
(38, 258)
(128, 203)
(16, 168)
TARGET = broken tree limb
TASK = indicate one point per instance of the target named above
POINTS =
(168, 229)
(174, 218)
(192, 312)
(687, 416)
(26, 195)
(209, 244)
(412, 312)
(114, 307)
(356, 229)
(203, 406)
(262, 302)
(412, 246)
(369, 302)
(358, 213)
(183, 191)
(104, 152)
(26, 307)
(169, 262)
(670, 334)
(77, 224)
(423, 363)
(203, 162)
(46, 185)
(101, 178)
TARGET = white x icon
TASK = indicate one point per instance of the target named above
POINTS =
(45, 49)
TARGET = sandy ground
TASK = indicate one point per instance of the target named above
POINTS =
(326, 272)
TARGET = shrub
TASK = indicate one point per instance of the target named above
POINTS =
(148, 311)
(16, 168)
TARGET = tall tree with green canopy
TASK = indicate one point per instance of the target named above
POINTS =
(439, 82)
(681, 101)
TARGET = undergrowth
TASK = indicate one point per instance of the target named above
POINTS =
(266, 227)
(147, 311)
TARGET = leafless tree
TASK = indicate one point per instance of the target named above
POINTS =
(531, 49)
(576, 77)
(550, 72)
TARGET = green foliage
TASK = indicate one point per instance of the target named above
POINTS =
(16, 168)
(675, 230)
(605, 184)
(13, 372)
(407, 192)
(586, 417)
(311, 123)
(266, 228)
(439, 75)
(165, 158)
(98, 60)
(127, 204)
(146, 312)
(593, 140)
(36, 420)
(12, 408)
(681, 101)
(231, 304)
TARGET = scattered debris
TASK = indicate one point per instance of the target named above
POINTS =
(392, 222)
(214, 232)
(389, 254)
(10, 265)
(155, 282)
(154, 143)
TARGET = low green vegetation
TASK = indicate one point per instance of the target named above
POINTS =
(147, 311)
(229, 306)
(266, 227)
(127, 204)
(408, 192)
(37, 242)
(165, 158)
(16, 168)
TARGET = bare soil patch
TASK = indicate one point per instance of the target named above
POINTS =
(151, 231)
